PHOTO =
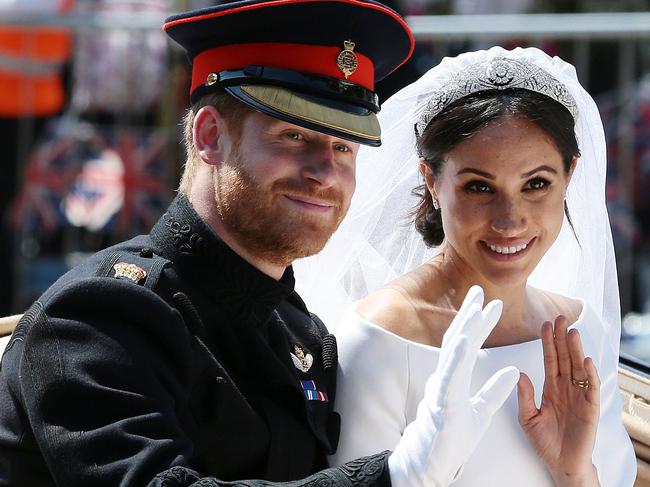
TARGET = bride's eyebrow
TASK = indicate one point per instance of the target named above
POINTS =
(543, 167)
(478, 172)
(487, 175)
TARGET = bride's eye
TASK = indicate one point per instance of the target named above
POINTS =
(477, 187)
(537, 184)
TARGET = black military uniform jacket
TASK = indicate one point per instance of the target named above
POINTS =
(203, 372)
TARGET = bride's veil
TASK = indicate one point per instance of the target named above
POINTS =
(377, 241)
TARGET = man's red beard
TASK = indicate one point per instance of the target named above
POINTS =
(262, 222)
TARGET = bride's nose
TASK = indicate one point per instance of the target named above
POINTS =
(508, 216)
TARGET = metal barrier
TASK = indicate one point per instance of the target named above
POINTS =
(614, 25)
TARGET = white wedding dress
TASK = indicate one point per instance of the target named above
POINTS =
(381, 381)
(382, 376)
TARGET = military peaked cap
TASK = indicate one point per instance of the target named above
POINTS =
(313, 63)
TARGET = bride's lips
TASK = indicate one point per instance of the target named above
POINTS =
(309, 203)
(506, 251)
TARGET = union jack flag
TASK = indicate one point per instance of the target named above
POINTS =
(48, 173)
(63, 170)
(146, 179)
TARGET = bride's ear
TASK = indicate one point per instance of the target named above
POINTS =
(572, 167)
(427, 174)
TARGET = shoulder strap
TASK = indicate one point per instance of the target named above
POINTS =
(143, 268)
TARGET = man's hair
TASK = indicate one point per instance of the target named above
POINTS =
(232, 110)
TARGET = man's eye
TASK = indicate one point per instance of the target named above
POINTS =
(478, 187)
(538, 184)
(342, 148)
(295, 135)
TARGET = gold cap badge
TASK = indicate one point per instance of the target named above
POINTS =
(347, 60)
(129, 271)
(211, 79)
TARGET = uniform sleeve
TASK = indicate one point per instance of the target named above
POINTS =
(372, 387)
(370, 471)
(104, 371)
(101, 378)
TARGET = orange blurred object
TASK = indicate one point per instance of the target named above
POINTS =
(31, 60)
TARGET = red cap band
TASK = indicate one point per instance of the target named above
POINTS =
(320, 60)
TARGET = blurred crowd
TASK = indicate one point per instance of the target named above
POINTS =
(89, 132)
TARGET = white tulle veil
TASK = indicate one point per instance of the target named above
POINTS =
(377, 241)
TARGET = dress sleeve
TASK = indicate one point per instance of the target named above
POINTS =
(372, 387)
(613, 454)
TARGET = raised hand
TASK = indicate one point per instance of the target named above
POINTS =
(563, 429)
(449, 422)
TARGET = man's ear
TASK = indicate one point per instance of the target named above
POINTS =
(211, 137)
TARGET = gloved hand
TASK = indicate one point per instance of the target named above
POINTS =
(449, 423)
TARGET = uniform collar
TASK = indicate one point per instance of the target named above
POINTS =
(202, 257)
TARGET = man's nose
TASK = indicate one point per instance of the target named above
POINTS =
(508, 216)
(320, 166)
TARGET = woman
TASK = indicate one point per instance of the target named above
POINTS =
(511, 151)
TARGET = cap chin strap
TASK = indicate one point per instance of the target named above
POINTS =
(333, 92)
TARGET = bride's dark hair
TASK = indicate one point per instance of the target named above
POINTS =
(465, 117)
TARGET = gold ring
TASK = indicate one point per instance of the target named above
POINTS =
(583, 384)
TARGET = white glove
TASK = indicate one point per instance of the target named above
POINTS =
(449, 423)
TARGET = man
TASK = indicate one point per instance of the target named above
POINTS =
(184, 357)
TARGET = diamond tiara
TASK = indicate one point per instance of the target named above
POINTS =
(497, 74)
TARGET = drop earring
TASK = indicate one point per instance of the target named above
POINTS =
(436, 205)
